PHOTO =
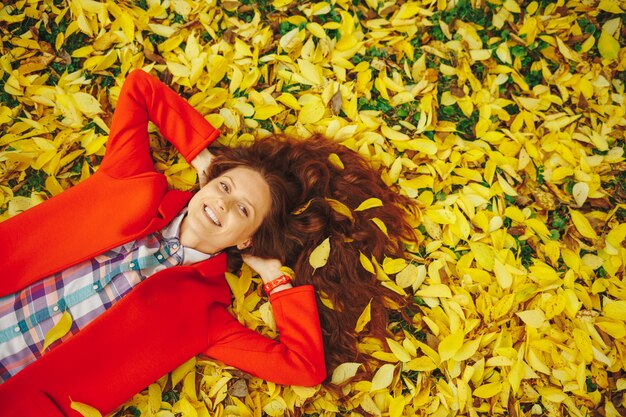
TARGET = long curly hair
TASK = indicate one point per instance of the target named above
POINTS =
(302, 180)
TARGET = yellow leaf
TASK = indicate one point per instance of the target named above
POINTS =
(178, 70)
(506, 187)
(289, 100)
(367, 264)
(179, 373)
(316, 29)
(334, 159)
(383, 377)
(615, 310)
(396, 406)
(468, 350)
(516, 375)
(128, 26)
(484, 255)
(265, 111)
(423, 364)
(582, 225)
(441, 216)
(344, 372)
(154, 397)
(503, 306)
(480, 54)
(538, 226)
(364, 318)
(187, 409)
(512, 6)
(87, 104)
(311, 72)
(552, 394)
(320, 254)
(434, 291)
(615, 330)
(608, 46)
(393, 265)
(450, 345)
(369, 203)
(398, 350)
(583, 344)
(610, 6)
(488, 390)
(503, 276)
(85, 410)
(393, 134)
(380, 225)
(533, 318)
(59, 330)
(408, 276)
(340, 208)
(302, 209)
(53, 186)
(312, 112)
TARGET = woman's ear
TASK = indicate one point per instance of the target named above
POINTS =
(245, 244)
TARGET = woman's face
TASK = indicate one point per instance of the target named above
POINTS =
(226, 212)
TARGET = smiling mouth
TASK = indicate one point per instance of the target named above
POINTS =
(211, 215)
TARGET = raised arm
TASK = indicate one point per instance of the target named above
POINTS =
(144, 98)
(297, 359)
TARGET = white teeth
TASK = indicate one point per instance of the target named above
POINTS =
(212, 216)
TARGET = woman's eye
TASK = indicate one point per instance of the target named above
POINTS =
(244, 210)
(224, 186)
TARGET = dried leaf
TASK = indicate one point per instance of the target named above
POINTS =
(85, 410)
(60, 329)
(364, 318)
(319, 255)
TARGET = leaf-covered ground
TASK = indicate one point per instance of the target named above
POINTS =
(504, 120)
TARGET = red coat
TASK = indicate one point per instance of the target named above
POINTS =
(168, 318)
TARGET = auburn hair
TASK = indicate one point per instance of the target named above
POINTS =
(302, 179)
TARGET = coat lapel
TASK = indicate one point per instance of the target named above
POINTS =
(96, 215)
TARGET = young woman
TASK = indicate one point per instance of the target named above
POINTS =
(140, 267)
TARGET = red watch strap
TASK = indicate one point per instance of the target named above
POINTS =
(281, 280)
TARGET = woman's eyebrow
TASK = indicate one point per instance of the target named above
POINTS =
(234, 187)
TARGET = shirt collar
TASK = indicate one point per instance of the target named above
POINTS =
(172, 231)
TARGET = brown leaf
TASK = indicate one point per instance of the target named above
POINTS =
(335, 102)
(431, 75)
(229, 5)
(516, 230)
(457, 92)
(601, 203)
(67, 58)
(153, 57)
(388, 10)
(545, 200)
(523, 200)
(36, 63)
(238, 389)
(229, 36)
(105, 41)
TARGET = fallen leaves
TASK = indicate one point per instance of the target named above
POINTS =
(59, 330)
(504, 121)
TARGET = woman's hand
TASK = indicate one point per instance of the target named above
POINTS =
(268, 269)
(201, 164)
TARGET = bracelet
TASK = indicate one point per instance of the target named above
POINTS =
(271, 286)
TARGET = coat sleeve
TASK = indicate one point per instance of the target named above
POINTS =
(296, 359)
(144, 98)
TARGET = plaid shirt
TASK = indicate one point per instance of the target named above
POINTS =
(85, 290)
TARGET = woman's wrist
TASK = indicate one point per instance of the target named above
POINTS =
(275, 280)
(269, 270)
(281, 283)
(201, 164)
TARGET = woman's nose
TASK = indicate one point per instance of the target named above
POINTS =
(223, 204)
